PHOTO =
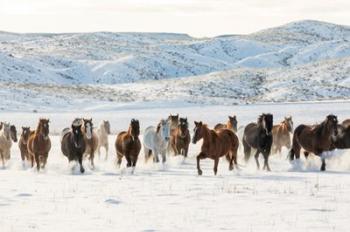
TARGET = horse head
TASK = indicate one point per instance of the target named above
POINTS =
(174, 120)
(164, 129)
(77, 133)
(331, 123)
(197, 131)
(134, 129)
(289, 123)
(107, 126)
(13, 133)
(43, 127)
(233, 121)
(265, 121)
(183, 126)
(25, 134)
(88, 127)
(6, 129)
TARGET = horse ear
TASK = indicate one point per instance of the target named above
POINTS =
(195, 123)
(200, 123)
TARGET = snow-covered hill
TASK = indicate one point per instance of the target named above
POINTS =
(304, 60)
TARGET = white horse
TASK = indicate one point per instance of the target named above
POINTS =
(156, 140)
(8, 134)
(102, 132)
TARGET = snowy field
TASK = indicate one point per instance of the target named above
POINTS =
(172, 197)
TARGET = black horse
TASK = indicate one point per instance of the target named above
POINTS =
(73, 143)
(258, 136)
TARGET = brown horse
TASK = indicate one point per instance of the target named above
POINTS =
(128, 144)
(346, 123)
(39, 143)
(315, 139)
(22, 144)
(231, 124)
(181, 138)
(215, 145)
(91, 140)
(281, 135)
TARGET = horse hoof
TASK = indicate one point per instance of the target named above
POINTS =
(82, 170)
(200, 172)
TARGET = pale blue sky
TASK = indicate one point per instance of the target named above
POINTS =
(195, 17)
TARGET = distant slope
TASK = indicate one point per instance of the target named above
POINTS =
(304, 60)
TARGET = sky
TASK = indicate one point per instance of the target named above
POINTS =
(199, 18)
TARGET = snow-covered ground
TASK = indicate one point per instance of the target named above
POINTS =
(172, 198)
(300, 61)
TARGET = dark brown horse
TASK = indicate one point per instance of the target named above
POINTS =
(231, 124)
(39, 143)
(215, 145)
(22, 144)
(73, 144)
(259, 136)
(180, 140)
(315, 139)
(128, 144)
(91, 140)
(282, 135)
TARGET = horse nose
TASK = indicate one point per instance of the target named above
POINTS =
(167, 138)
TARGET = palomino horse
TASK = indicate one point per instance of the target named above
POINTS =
(215, 145)
(7, 135)
(73, 143)
(103, 131)
(282, 135)
(315, 139)
(91, 140)
(22, 144)
(259, 136)
(128, 144)
(39, 143)
(156, 140)
(180, 139)
(231, 124)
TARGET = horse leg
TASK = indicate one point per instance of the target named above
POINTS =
(99, 151)
(155, 156)
(128, 160)
(247, 150)
(2, 159)
(119, 159)
(266, 162)
(45, 159)
(163, 156)
(199, 157)
(216, 163)
(37, 160)
(92, 156)
(323, 166)
(106, 147)
(80, 160)
(257, 159)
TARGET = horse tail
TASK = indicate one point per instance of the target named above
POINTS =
(295, 144)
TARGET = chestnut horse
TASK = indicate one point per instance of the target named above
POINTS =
(73, 143)
(22, 144)
(231, 124)
(282, 135)
(91, 140)
(180, 140)
(315, 139)
(39, 143)
(215, 145)
(259, 136)
(128, 144)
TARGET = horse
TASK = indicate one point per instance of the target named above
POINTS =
(315, 139)
(215, 145)
(128, 144)
(156, 140)
(103, 131)
(181, 138)
(8, 134)
(39, 143)
(91, 139)
(73, 143)
(281, 134)
(22, 144)
(259, 136)
(342, 140)
(346, 123)
(231, 124)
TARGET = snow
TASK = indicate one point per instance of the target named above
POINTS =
(293, 197)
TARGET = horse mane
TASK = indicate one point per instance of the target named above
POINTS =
(158, 127)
